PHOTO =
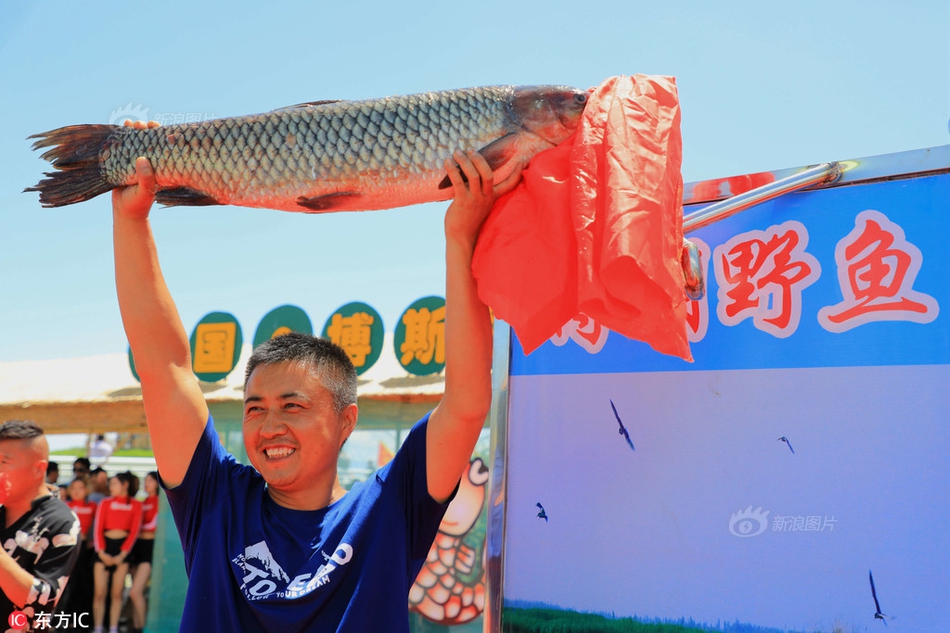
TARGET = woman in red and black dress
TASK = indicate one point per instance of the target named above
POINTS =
(118, 522)
(77, 597)
(141, 559)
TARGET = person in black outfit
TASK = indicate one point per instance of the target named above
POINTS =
(39, 535)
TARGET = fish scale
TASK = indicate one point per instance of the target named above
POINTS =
(328, 156)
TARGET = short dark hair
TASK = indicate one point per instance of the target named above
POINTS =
(97, 470)
(333, 364)
(52, 467)
(82, 461)
(19, 430)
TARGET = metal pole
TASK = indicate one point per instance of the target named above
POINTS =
(820, 174)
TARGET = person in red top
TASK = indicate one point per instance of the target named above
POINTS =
(141, 559)
(77, 597)
(118, 522)
(82, 507)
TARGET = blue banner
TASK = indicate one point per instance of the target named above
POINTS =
(850, 276)
(794, 478)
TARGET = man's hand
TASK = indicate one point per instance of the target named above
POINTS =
(135, 201)
(473, 199)
(455, 423)
(174, 405)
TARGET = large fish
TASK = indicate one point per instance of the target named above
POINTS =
(316, 157)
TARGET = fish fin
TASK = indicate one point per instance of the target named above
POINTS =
(326, 202)
(184, 197)
(307, 104)
(497, 153)
(74, 154)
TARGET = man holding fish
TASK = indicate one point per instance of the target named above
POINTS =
(282, 546)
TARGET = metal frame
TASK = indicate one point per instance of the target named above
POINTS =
(824, 173)
(498, 483)
(897, 166)
(901, 165)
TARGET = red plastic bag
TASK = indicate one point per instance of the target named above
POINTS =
(596, 226)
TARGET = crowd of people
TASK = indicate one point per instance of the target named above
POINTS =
(118, 535)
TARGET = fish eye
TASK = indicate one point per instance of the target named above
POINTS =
(580, 98)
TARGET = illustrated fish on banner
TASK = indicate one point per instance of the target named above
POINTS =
(450, 587)
(316, 157)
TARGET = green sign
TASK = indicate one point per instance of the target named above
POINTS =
(215, 346)
(419, 340)
(358, 329)
(135, 374)
(282, 320)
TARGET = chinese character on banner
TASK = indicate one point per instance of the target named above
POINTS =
(425, 336)
(419, 339)
(697, 311)
(762, 274)
(584, 331)
(358, 329)
(215, 346)
(354, 334)
(876, 270)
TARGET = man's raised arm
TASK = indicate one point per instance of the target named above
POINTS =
(455, 424)
(174, 405)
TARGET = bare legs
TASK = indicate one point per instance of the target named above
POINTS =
(102, 588)
(140, 577)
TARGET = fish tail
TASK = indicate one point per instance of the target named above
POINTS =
(75, 154)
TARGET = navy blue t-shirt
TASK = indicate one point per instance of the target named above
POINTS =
(256, 566)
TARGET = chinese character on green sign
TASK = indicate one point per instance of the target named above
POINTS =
(419, 340)
(358, 329)
(215, 346)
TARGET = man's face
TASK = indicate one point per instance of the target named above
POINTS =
(292, 431)
(22, 465)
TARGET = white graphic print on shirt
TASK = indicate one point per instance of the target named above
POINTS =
(264, 578)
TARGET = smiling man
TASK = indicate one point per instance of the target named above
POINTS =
(281, 546)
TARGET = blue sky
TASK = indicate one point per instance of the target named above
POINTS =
(762, 86)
